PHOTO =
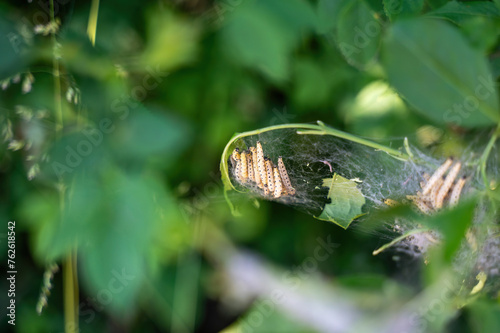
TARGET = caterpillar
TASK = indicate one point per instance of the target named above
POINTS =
(270, 175)
(284, 176)
(436, 176)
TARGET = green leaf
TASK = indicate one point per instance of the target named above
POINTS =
(113, 218)
(435, 82)
(436, 3)
(346, 201)
(483, 316)
(399, 8)
(147, 133)
(14, 49)
(376, 5)
(312, 88)
(172, 41)
(358, 34)
(263, 34)
(481, 32)
(495, 66)
(43, 219)
(270, 318)
(256, 40)
(479, 21)
(452, 225)
(80, 216)
(118, 242)
(457, 12)
(328, 14)
(297, 15)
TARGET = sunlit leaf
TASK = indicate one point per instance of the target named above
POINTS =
(172, 41)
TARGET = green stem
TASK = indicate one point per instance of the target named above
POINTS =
(326, 130)
(319, 129)
(398, 239)
(70, 278)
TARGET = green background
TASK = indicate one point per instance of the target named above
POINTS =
(157, 98)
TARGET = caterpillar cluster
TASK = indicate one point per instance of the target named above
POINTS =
(438, 188)
(251, 166)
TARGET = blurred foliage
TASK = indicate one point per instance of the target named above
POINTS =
(132, 178)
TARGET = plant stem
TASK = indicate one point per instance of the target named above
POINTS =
(485, 155)
(398, 239)
(70, 279)
(340, 134)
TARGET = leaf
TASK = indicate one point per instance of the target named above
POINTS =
(114, 219)
(358, 34)
(481, 32)
(479, 20)
(346, 201)
(147, 133)
(313, 87)
(452, 225)
(172, 41)
(258, 41)
(92, 24)
(437, 83)
(79, 217)
(119, 239)
(295, 14)
(483, 316)
(263, 34)
(328, 14)
(495, 66)
(457, 12)
(14, 49)
(398, 8)
(376, 5)
(436, 3)
(270, 318)
(43, 219)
